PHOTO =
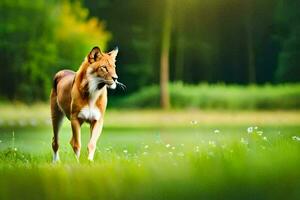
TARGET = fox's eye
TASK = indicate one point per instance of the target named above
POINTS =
(104, 68)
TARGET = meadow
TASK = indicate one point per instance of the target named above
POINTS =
(153, 154)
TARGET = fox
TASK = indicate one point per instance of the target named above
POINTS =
(81, 96)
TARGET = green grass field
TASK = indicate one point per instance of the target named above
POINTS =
(154, 155)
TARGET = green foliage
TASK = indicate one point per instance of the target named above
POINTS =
(219, 96)
(76, 34)
(289, 58)
(39, 38)
(27, 54)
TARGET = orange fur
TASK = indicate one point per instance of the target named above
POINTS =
(82, 97)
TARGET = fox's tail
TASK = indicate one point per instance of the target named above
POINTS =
(55, 82)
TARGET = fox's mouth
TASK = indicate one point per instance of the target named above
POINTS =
(100, 85)
(111, 84)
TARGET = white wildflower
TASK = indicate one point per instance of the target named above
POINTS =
(250, 129)
(168, 145)
(194, 122)
(216, 131)
(146, 146)
(260, 133)
(265, 138)
(296, 138)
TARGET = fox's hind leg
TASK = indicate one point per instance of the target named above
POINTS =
(56, 117)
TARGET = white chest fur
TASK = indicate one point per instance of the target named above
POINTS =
(89, 113)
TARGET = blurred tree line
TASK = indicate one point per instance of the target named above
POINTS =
(230, 41)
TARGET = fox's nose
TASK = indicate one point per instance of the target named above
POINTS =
(115, 77)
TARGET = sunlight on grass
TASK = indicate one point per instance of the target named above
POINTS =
(163, 170)
(162, 155)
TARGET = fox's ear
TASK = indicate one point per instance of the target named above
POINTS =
(114, 53)
(94, 55)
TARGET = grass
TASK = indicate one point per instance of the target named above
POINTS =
(154, 155)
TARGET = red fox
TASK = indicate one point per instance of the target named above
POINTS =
(82, 97)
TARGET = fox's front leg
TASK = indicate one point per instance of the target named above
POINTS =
(96, 129)
(76, 137)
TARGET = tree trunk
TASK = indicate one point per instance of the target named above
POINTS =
(164, 58)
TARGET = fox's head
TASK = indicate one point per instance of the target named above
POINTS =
(102, 69)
